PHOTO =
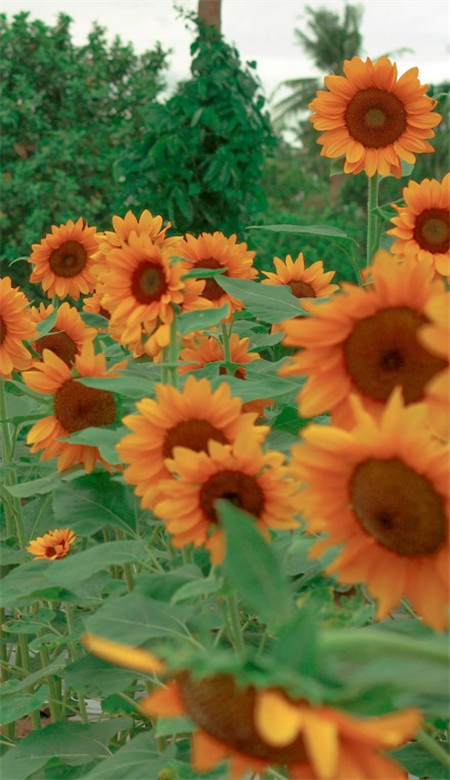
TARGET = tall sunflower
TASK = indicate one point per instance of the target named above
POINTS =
(75, 407)
(63, 261)
(69, 334)
(242, 473)
(215, 250)
(382, 491)
(422, 227)
(435, 336)
(373, 118)
(179, 418)
(15, 328)
(365, 341)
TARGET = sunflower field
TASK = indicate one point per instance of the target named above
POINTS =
(225, 539)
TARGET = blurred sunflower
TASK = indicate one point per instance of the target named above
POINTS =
(63, 261)
(52, 545)
(365, 341)
(422, 227)
(69, 334)
(382, 491)
(187, 418)
(435, 336)
(373, 118)
(241, 473)
(16, 327)
(75, 407)
(215, 250)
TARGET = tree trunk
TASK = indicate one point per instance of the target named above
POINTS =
(209, 12)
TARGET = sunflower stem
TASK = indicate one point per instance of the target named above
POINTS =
(173, 351)
(74, 655)
(226, 342)
(234, 626)
(25, 661)
(433, 747)
(13, 509)
(372, 218)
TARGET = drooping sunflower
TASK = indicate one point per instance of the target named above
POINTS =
(69, 334)
(240, 472)
(63, 261)
(179, 418)
(382, 491)
(15, 328)
(75, 406)
(422, 227)
(365, 341)
(215, 250)
(373, 118)
(435, 336)
(52, 545)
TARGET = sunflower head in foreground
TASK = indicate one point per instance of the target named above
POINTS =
(373, 118)
(382, 491)
(63, 261)
(52, 545)
(75, 407)
(190, 418)
(435, 336)
(422, 227)
(215, 250)
(68, 335)
(366, 341)
(16, 327)
(242, 473)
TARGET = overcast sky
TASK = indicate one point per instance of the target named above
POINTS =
(263, 30)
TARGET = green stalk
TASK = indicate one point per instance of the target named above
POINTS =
(433, 747)
(13, 509)
(25, 661)
(127, 570)
(375, 641)
(226, 342)
(234, 626)
(74, 655)
(372, 218)
(173, 351)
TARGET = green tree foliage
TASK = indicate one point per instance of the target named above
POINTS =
(201, 156)
(67, 111)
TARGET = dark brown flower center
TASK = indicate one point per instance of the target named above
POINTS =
(225, 711)
(302, 289)
(382, 352)
(49, 551)
(3, 330)
(193, 434)
(148, 282)
(240, 489)
(432, 230)
(104, 313)
(68, 259)
(240, 373)
(78, 407)
(375, 117)
(60, 343)
(212, 291)
(398, 507)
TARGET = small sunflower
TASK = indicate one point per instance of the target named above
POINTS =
(69, 334)
(242, 473)
(75, 407)
(215, 250)
(382, 491)
(422, 227)
(16, 326)
(256, 728)
(188, 418)
(63, 261)
(147, 224)
(373, 118)
(52, 545)
(435, 336)
(365, 341)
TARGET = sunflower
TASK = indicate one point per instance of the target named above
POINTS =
(63, 261)
(52, 545)
(94, 304)
(373, 118)
(365, 341)
(215, 250)
(15, 327)
(240, 472)
(381, 490)
(147, 224)
(255, 728)
(422, 227)
(69, 334)
(75, 407)
(179, 418)
(435, 336)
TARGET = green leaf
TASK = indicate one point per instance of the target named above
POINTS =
(296, 645)
(337, 166)
(328, 231)
(94, 677)
(203, 273)
(128, 384)
(80, 565)
(191, 321)
(103, 438)
(46, 325)
(420, 763)
(195, 590)
(136, 760)
(252, 567)
(94, 320)
(271, 303)
(254, 388)
(92, 501)
(11, 687)
(27, 583)
(42, 485)
(21, 704)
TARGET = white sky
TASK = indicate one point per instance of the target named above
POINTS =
(263, 30)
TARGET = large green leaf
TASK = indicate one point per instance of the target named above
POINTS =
(42, 485)
(21, 704)
(136, 760)
(420, 763)
(28, 583)
(80, 565)
(191, 321)
(270, 303)
(103, 438)
(92, 501)
(127, 384)
(327, 231)
(94, 677)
